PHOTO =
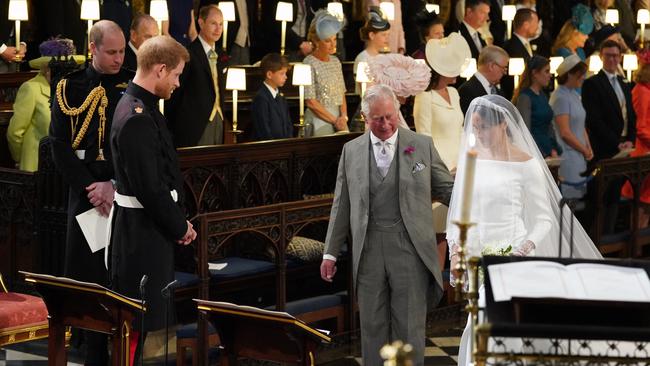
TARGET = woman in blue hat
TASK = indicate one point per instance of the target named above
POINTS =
(325, 99)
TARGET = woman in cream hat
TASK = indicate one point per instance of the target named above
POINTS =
(31, 119)
(437, 111)
(569, 116)
(325, 99)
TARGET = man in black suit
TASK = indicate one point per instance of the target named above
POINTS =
(524, 27)
(195, 111)
(610, 120)
(492, 65)
(269, 110)
(143, 27)
(476, 14)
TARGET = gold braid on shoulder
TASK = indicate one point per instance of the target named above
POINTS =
(97, 95)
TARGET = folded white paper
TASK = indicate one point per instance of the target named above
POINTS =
(217, 266)
(94, 227)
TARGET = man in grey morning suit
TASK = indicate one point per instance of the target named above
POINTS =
(386, 182)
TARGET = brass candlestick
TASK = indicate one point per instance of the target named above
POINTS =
(301, 126)
(461, 267)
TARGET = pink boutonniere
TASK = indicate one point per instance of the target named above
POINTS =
(409, 150)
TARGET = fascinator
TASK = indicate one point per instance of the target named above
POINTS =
(446, 56)
(403, 74)
(582, 19)
(604, 32)
(326, 24)
(424, 19)
(568, 64)
(55, 47)
(376, 20)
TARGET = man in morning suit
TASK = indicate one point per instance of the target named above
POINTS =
(81, 152)
(143, 27)
(195, 111)
(269, 110)
(492, 66)
(387, 180)
(476, 14)
(147, 219)
(610, 120)
(524, 27)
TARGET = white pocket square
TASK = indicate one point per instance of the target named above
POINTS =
(418, 167)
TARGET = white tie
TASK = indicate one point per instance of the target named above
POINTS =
(383, 158)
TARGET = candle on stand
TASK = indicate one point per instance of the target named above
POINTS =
(468, 181)
(284, 14)
(228, 11)
(17, 12)
(235, 81)
(301, 76)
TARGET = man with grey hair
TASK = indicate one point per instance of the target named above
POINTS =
(81, 152)
(143, 27)
(387, 180)
(492, 66)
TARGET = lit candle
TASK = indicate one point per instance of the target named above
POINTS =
(301, 89)
(468, 183)
(234, 109)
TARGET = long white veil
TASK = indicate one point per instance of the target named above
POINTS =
(530, 212)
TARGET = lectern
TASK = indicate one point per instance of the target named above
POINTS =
(88, 306)
(259, 334)
(552, 329)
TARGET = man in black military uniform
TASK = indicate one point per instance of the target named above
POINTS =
(147, 218)
(82, 111)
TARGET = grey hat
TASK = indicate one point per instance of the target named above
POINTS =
(568, 64)
(326, 24)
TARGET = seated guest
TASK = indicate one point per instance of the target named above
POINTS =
(532, 103)
(525, 27)
(375, 33)
(430, 26)
(143, 27)
(31, 119)
(492, 66)
(574, 33)
(325, 98)
(269, 111)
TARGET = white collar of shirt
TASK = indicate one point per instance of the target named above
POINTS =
(135, 50)
(274, 92)
(390, 148)
(484, 82)
(610, 75)
(523, 40)
(391, 140)
(470, 29)
(206, 45)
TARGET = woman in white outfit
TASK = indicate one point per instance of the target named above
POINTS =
(515, 199)
(437, 112)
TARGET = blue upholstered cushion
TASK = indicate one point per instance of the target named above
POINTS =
(238, 267)
(189, 330)
(310, 304)
(186, 279)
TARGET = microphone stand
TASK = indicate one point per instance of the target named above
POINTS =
(166, 293)
(570, 203)
(143, 282)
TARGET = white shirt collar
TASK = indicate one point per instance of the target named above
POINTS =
(470, 29)
(206, 46)
(274, 92)
(484, 81)
(391, 140)
(610, 75)
(135, 50)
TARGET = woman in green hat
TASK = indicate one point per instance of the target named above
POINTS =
(31, 119)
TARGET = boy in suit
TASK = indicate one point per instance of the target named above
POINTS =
(269, 110)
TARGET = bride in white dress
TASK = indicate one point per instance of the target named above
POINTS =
(515, 198)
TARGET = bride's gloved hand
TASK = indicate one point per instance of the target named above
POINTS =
(524, 249)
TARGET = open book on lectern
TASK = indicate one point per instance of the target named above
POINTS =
(580, 281)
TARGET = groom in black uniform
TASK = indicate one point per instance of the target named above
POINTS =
(148, 220)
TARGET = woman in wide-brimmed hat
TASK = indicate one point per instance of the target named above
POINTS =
(31, 119)
(437, 111)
